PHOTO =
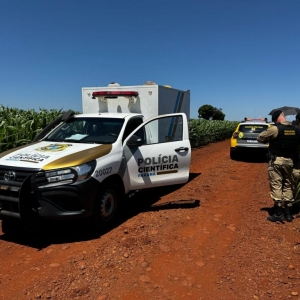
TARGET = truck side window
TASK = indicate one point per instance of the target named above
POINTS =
(162, 130)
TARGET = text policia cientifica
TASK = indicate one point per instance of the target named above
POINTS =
(160, 163)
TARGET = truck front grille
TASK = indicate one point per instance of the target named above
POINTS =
(11, 180)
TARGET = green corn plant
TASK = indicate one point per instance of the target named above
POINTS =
(19, 127)
(203, 132)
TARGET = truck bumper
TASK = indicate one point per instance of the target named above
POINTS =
(62, 202)
(68, 201)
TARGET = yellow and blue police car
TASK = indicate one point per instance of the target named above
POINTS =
(244, 138)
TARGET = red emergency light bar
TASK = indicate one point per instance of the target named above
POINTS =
(256, 119)
(115, 94)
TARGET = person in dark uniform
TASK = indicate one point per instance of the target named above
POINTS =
(296, 169)
(283, 139)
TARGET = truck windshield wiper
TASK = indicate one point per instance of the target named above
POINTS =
(54, 140)
(72, 141)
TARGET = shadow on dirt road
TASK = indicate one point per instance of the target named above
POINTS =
(81, 230)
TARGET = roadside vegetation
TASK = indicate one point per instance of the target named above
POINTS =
(19, 127)
(203, 132)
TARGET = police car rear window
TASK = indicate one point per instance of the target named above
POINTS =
(254, 128)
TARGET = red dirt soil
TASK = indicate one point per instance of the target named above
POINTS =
(208, 239)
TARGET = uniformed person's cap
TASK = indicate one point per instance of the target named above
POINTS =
(276, 114)
(298, 117)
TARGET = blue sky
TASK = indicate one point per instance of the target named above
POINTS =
(239, 55)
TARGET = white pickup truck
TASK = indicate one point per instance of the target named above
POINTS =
(86, 164)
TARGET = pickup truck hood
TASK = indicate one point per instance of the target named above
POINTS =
(53, 155)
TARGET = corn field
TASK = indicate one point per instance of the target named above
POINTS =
(19, 127)
(203, 132)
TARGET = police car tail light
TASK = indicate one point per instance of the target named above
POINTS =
(235, 135)
(69, 175)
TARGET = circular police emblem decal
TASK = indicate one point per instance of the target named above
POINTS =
(54, 147)
(241, 134)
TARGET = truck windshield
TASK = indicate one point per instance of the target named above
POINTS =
(87, 130)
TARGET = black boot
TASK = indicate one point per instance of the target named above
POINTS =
(277, 216)
(288, 213)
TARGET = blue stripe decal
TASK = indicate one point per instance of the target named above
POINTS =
(175, 111)
(176, 103)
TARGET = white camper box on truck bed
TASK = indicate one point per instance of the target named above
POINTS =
(150, 99)
(83, 166)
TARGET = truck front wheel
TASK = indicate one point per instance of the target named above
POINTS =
(106, 206)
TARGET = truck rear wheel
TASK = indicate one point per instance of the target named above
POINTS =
(106, 206)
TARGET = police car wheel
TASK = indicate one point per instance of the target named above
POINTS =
(233, 155)
(106, 205)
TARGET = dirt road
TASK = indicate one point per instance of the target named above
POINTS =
(208, 239)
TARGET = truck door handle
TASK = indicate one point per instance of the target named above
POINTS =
(181, 149)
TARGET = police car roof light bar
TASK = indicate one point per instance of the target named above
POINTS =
(256, 119)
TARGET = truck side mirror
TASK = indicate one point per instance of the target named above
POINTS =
(134, 141)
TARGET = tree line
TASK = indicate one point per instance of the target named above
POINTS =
(208, 112)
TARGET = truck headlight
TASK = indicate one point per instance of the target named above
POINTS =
(69, 175)
(84, 171)
(60, 176)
